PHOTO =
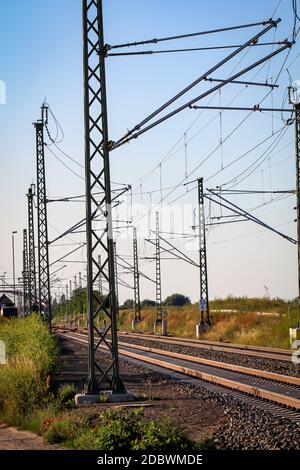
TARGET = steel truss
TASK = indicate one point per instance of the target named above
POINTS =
(158, 272)
(44, 299)
(136, 279)
(204, 300)
(33, 306)
(297, 151)
(25, 275)
(97, 175)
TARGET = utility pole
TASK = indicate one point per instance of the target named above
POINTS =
(100, 286)
(43, 248)
(67, 298)
(158, 321)
(14, 266)
(26, 302)
(204, 301)
(136, 278)
(295, 100)
(97, 174)
(80, 281)
(116, 278)
(31, 251)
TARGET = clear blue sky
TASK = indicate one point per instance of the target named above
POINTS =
(41, 56)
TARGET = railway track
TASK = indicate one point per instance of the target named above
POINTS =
(258, 385)
(262, 352)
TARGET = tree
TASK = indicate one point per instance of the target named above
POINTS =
(177, 300)
(127, 304)
(148, 303)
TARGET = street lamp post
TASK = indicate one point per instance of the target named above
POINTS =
(14, 268)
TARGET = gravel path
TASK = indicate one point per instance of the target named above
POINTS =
(12, 439)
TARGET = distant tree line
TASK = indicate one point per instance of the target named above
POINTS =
(78, 302)
(174, 300)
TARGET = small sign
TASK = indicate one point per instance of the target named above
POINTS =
(164, 313)
(2, 353)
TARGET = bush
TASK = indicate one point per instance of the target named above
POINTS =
(163, 435)
(128, 430)
(20, 391)
(66, 394)
(29, 338)
(62, 428)
(177, 300)
(31, 357)
(118, 431)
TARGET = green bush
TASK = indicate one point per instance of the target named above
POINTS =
(163, 435)
(66, 394)
(118, 430)
(129, 430)
(20, 391)
(31, 357)
(62, 428)
(29, 338)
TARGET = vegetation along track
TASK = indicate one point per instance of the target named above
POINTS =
(263, 385)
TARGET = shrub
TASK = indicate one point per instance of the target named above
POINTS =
(163, 435)
(20, 391)
(66, 394)
(128, 430)
(29, 338)
(31, 357)
(118, 430)
(61, 428)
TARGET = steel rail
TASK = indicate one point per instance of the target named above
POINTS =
(229, 383)
(291, 380)
(262, 352)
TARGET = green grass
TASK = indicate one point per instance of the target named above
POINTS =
(31, 359)
(247, 324)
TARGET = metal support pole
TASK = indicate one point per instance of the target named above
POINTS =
(14, 266)
(26, 302)
(43, 253)
(158, 272)
(204, 301)
(136, 279)
(297, 153)
(100, 285)
(97, 174)
(80, 281)
(67, 299)
(116, 278)
(33, 306)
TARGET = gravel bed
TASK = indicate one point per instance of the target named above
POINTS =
(270, 365)
(247, 428)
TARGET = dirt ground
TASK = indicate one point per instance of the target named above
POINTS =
(12, 439)
(160, 398)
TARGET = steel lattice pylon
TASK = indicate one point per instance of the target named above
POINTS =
(25, 274)
(136, 279)
(158, 272)
(204, 301)
(116, 278)
(31, 252)
(297, 151)
(44, 299)
(97, 173)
